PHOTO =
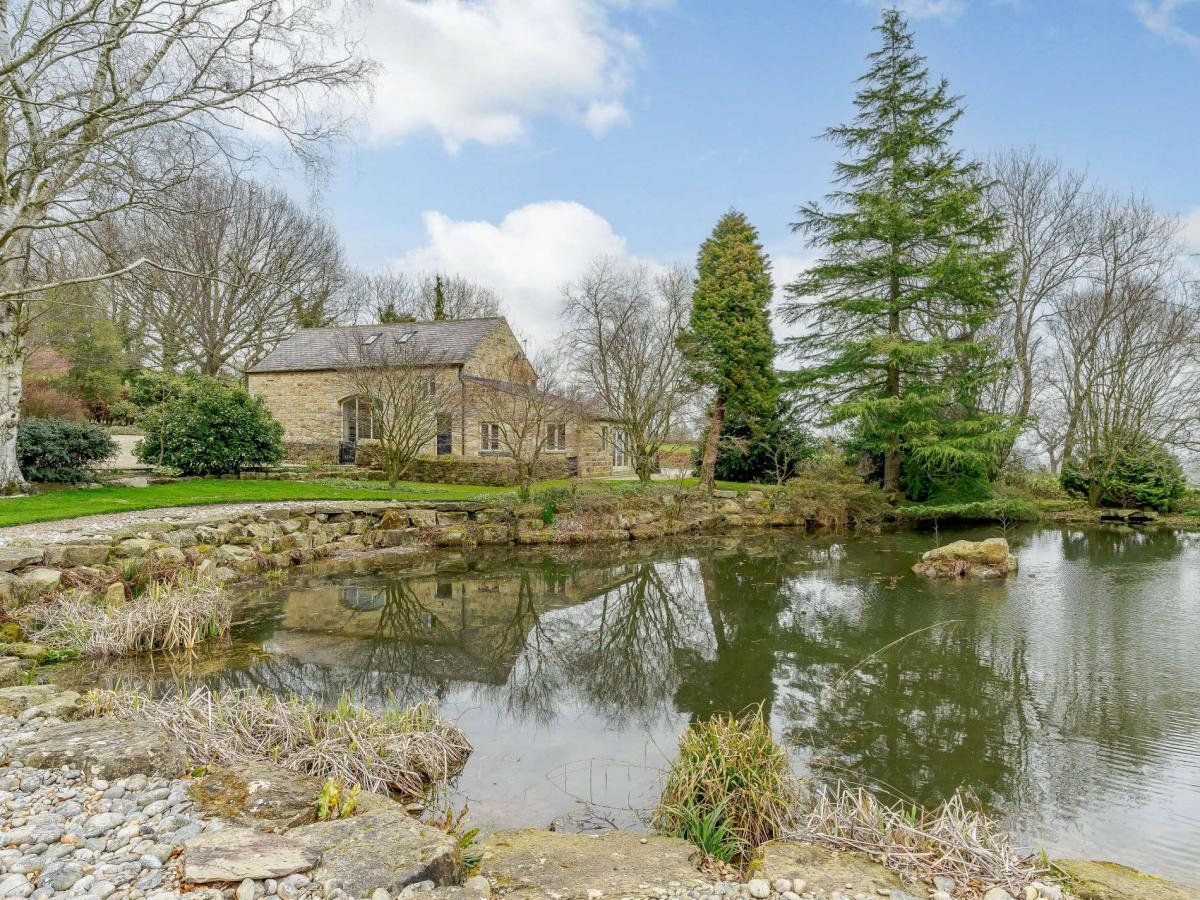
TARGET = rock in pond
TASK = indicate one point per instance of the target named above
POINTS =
(981, 559)
(234, 854)
(102, 748)
(1099, 880)
(534, 863)
(826, 871)
(380, 847)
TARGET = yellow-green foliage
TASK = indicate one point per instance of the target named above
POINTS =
(730, 789)
(335, 801)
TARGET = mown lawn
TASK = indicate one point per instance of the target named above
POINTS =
(70, 504)
(83, 502)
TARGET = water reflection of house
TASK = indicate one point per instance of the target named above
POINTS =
(461, 626)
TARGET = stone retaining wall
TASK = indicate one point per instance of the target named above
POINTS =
(254, 540)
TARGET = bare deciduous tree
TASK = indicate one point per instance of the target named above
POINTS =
(623, 337)
(269, 268)
(389, 296)
(1048, 228)
(403, 391)
(1130, 361)
(108, 101)
(525, 413)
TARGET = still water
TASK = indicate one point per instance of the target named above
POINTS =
(1066, 698)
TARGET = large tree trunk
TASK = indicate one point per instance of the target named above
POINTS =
(708, 464)
(12, 359)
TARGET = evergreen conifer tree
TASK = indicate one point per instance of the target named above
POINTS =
(439, 299)
(729, 344)
(894, 308)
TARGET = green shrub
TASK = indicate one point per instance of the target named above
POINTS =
(58, 450)
(1144, 474)
(210, 427)
(730, 789)
(123, 412)
(830, 494)
(1014, 510)
(768, 452)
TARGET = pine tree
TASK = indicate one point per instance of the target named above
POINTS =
(894, 308)
(729, 344)
(439, 299)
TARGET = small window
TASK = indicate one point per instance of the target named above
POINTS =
(431, 385)
(489, 437)
(372, 338)
(556, 436)
(444, 590)
(604, 437)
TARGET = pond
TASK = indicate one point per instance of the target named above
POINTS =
(1067, 698)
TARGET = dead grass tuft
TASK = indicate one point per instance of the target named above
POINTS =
(955, 839)
(405, 751)
(165, 615)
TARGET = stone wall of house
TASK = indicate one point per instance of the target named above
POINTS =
(279, 535)
(492, 470)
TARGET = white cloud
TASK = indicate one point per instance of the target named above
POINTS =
(526, 257)
(479, 71)
(1162, 17)
(1191, 230)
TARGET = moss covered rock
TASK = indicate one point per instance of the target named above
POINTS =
(986, 559)
(1100, 880)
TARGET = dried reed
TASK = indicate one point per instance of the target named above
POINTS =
(170, 615)
(403, 751)
(955, 839)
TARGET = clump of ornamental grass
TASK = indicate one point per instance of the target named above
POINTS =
(730, 789)
(167, 615)
(955, 839)
(404, 751)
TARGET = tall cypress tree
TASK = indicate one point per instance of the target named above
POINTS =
(439, 299)
(908, 278)
(729, 343)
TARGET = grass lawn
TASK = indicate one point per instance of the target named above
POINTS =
(70, 504)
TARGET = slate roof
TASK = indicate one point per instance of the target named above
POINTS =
(448, 342)
(584, 407)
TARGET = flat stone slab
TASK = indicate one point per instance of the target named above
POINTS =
(825, 870)
(1100, 880)
(233, 854)
(259, 795)
(15, 557)
(380, 847)
(102, 748)
(535, 863)
(20, 697)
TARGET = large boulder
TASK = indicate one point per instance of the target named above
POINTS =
(380, 847)
(825, 871)
(103, 748)
(1099, 880)
(258, 795)
(17, 557)
(535, 863)
(233, 854)
(985, 559)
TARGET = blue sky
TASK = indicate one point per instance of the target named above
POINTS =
(512, 140)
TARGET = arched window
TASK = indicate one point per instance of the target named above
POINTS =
(357, 422)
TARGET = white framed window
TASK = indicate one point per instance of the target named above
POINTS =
(489, 437)
(357, 422)
(556, 436)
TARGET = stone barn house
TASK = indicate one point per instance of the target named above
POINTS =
(303, 383)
